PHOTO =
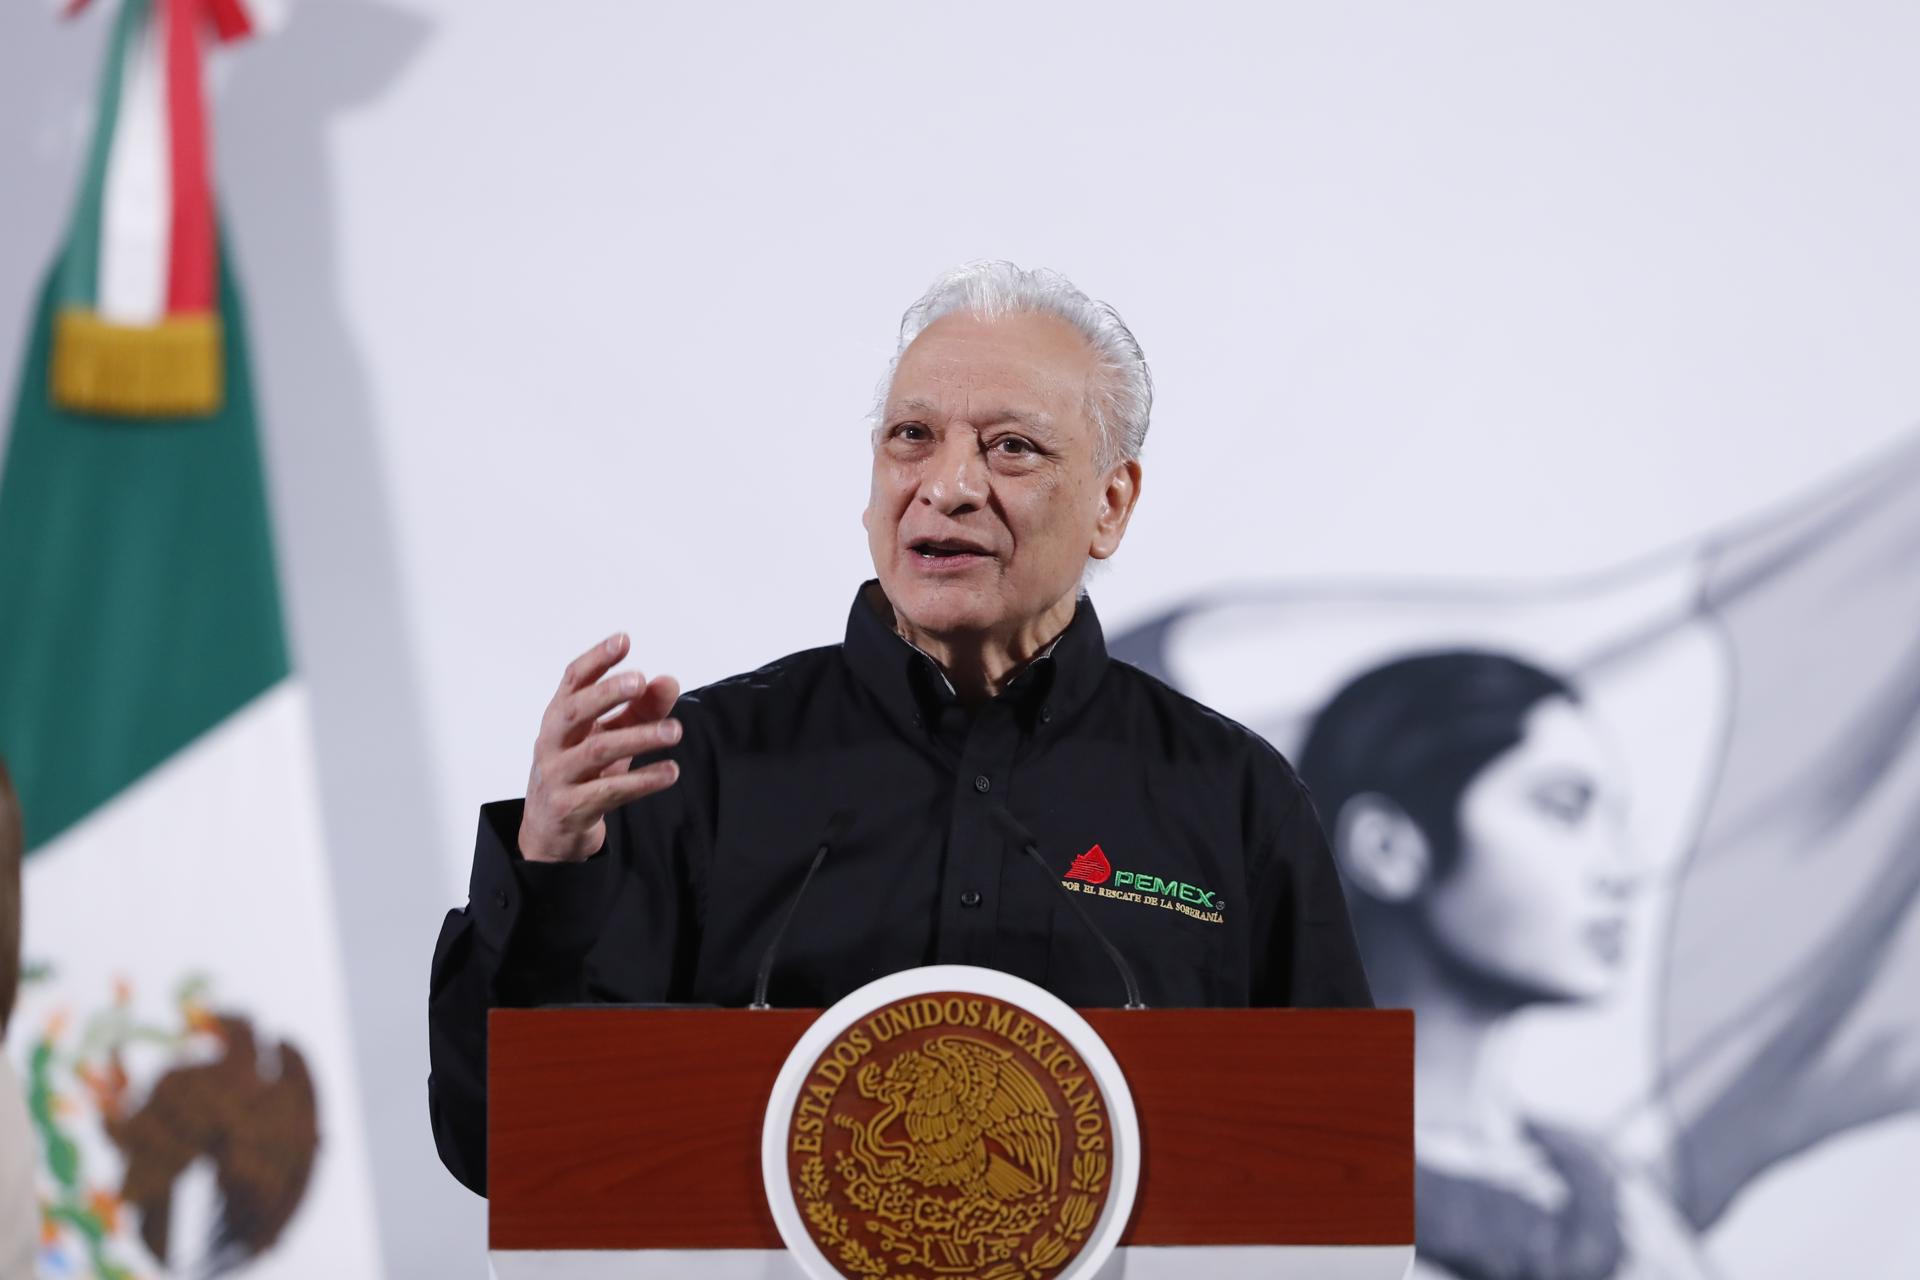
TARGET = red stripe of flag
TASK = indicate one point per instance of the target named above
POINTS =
(231, 21)
(190, 265)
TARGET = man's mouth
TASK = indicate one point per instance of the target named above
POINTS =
(946, 549)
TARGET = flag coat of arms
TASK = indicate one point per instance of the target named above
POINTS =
(181, 1033)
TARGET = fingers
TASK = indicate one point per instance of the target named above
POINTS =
(594, 663)
(656, 702)
(571, 716)
(591, 801)
(593, 756)
(581, 762)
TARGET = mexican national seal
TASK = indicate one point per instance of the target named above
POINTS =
(951, 1133)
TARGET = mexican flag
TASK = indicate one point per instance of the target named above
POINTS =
(182, 1032)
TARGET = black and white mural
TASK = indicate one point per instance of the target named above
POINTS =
(1643, 851)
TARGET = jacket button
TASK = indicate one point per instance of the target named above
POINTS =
(1046, 714)
(971, 898)
(982, 783)
(500, 899)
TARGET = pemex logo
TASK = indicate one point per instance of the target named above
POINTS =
(1091, 866)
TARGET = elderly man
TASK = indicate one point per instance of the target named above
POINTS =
(663, 835)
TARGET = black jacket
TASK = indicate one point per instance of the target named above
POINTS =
(1187, 837)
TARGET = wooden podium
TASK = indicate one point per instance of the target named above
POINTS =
(626, 1142)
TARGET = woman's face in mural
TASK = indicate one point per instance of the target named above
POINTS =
(1536, 899)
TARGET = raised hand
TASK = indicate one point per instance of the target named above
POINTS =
(582, 759)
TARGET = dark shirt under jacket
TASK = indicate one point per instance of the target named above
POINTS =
(1084, 750)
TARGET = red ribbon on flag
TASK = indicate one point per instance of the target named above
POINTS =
(190, 266)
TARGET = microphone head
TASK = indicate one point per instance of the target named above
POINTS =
(835, 830)
(1015, 830)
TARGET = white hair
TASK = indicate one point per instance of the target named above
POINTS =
(1123, 399)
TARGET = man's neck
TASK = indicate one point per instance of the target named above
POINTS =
(980, 665)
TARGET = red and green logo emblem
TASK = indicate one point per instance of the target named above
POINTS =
(1091, 866)
(1093, 869)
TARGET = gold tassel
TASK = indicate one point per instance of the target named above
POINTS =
(168, 370)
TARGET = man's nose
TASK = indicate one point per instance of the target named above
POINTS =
(956, 477)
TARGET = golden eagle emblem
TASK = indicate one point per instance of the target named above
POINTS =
(953, 1095)
(930, 1143)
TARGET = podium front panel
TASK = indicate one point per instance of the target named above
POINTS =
(617, 1130)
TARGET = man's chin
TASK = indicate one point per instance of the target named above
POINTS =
(944, 608)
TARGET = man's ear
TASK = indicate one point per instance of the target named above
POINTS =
(1380, 850)
(1117, 499)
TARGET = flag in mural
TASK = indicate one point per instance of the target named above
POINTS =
(1731, 1015)
(181, 1031)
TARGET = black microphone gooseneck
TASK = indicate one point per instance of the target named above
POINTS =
(835, 828)
(1024, 838)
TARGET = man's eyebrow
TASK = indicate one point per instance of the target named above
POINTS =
(1033, 420)
(912, 405)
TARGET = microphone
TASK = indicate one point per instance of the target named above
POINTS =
(836, 827)
(1024, 838)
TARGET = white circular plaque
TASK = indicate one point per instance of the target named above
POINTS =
(986, 1131)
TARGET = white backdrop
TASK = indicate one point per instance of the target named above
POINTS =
(567, 316)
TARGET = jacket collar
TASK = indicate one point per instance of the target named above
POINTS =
(913, 689)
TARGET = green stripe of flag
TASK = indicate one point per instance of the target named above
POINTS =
(80, 270)
(138, 599)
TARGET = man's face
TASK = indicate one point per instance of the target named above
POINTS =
(986, 502)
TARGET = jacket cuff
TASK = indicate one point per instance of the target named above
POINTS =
(552, 908)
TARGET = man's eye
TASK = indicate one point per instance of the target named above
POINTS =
(910, 431)
(1013, 445)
